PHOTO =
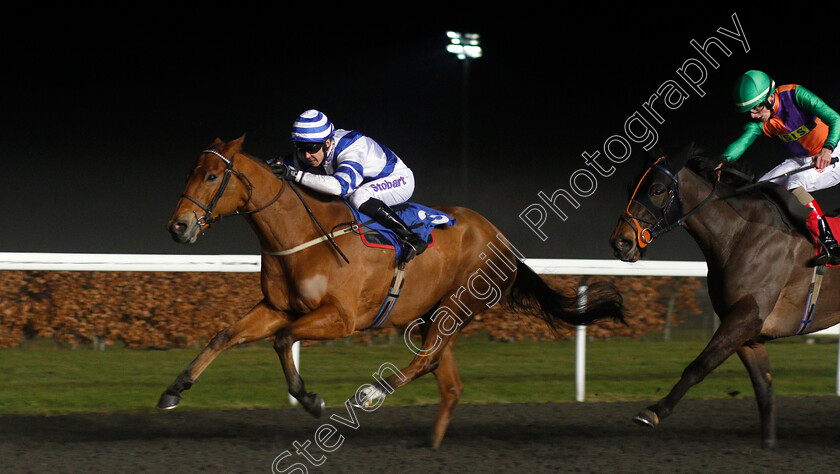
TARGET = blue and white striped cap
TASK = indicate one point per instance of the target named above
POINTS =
(312, 126)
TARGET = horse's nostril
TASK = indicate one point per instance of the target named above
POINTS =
(179, 227)
(623, 244)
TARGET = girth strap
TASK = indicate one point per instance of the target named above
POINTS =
(391, 299)
(813, 294)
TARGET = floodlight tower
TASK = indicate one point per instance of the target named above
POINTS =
(467, 47)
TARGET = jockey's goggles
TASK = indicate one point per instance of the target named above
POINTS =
(760, 107)
(308, 147)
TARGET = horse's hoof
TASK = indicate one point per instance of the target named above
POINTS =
(369, 397)
(768, 443)
(315, 406)
(168, 401)
(647, 418)
(319, 406)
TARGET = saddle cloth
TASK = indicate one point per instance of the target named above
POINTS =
(419, 218)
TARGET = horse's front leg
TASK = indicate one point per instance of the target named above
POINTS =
(325, 323)
(259, 323)
(740, 325)
(755, 359)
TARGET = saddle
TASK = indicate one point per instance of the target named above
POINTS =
(373, 238)
(790, 211)
(421, 219)
(784, 211)
(789, 214)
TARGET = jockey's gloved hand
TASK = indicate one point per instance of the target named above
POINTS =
(284, 171)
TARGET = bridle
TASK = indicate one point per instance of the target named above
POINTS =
(208, 218)
(671, 214)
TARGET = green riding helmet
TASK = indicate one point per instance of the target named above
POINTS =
(752, 89)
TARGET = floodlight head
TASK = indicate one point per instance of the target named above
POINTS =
(466, 45)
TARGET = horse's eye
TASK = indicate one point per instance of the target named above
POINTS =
(211, 177)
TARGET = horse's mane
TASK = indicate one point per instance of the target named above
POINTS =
(776, 209)
(259, 161)
(734, 174)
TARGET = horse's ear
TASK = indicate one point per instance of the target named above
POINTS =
(680, 158)
(652, 156)
(235, 146)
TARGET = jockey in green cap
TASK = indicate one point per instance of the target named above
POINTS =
(808, 128)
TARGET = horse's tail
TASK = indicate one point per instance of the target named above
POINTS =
(531, 295)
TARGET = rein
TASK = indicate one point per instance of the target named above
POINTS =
(317, 240)
(327, 236)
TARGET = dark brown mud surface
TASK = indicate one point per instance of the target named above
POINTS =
(701, 436)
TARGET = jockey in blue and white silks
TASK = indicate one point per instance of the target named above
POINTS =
(349, 164)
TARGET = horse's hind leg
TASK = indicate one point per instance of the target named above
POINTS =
(450, 386)
(259, 323)
(435, 355)
(755, 359)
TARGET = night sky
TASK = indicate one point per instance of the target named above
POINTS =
(101, 125)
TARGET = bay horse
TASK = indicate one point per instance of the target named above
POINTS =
(760, 267)
(313, 290)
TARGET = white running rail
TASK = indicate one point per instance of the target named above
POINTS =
(251, 263)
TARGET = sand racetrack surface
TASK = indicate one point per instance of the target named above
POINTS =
(702, 436)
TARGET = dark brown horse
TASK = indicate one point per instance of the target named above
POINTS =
(310, 292)
(759, 268)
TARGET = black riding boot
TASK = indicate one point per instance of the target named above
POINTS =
(829, 243)
(413, 244)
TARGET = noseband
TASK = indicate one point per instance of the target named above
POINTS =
(671, 214)
(207, 218)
